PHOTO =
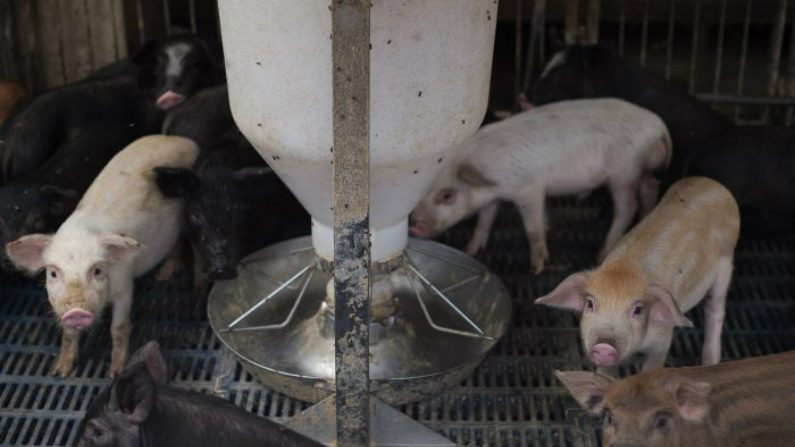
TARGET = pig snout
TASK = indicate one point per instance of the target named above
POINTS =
(421, 227)
(420, 231)
(604, 354)
(524, 102)
(169, 99)
(77, 319)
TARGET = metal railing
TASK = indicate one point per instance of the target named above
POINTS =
(738, 55)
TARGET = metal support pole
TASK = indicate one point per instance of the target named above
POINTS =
(594, 14)
(351, 86)
(571, 34)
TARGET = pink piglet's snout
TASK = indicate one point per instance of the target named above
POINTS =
(604, 355)
(77, 319)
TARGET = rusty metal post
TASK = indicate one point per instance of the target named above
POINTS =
(351, 86)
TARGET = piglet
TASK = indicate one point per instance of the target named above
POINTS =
(748, 402)
(41, 201)
(681, 251)
(566, 148)
(138, 409)
(121, 228)
(234, 203)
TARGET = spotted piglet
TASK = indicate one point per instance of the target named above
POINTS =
(121, 228)
(561, 149)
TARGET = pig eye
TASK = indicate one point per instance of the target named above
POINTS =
(446, 196)
(590, 304)
(97, 271)
(637, 310)
(661, 421)
(608, 418)
(53, 273)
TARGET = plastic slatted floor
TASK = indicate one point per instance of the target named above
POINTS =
(511, 400)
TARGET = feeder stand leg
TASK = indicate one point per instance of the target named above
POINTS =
(351, 87)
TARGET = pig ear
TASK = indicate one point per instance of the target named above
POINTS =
(471, 175)
(587, 388)
(27, 251)
(569, 294)
(149, 355)
(176, 182)
(134, 394)
(255, 181)
(253, 173)
(664, 308)
(118, 247)
(692, 398)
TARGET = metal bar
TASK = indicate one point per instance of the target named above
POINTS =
(444, 297)
(694, 47)
(192, 10)
(435, 326)
(776, 42)
(622, 27)
(536, 29)
(268, 297)
(594, 14)
(670, 46)
(517, 56)
(572, 19)
(445, 259)
(461, 283)
(644, 36)
(351, 119)
(743, 55)
(719, 49)
(748, 100)
(791, 70)
(167, 14)
(287, 319)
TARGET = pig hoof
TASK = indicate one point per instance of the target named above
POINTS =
(116, 367)
(538, 258)
(63, 366)
(474, 248)
(165, 272)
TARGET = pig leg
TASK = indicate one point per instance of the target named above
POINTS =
(657, 352)
(531, 207)
(648, 192)
(172, 263)
(625, 204)
(120, 328)
(715, 312)
(67, 356)
(198, 269)
(480, 236)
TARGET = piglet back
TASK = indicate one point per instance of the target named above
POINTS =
(128, 180)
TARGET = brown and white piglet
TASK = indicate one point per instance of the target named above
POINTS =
(662, 268)
(122, 228)
(748, 403)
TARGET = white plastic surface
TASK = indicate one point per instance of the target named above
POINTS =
(430, 69)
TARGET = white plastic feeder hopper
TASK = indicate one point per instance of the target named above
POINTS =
(430, 66)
